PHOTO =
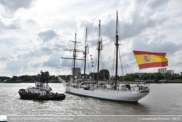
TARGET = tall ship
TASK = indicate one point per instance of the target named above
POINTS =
(124, 92)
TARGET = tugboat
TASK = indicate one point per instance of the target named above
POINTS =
(41, 90)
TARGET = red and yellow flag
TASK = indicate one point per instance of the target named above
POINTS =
(150, 59)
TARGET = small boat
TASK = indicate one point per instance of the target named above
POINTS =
(41, 91)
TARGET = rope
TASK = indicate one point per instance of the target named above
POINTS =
(108, 27)
(103, 41)
(121, 65)
(113, 62)
(102, 64)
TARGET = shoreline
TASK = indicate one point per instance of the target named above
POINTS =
(29, 82)
(121, 82)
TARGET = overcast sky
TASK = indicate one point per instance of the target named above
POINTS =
(35, 33)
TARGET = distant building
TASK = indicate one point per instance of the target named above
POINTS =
(77, 71)
(180, 73)
(162, 70)
(171, 72)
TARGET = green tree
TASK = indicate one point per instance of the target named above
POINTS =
(29, 79)
(2, 78)
(167, 76)
(68, 77)
(152, 77)
(158, 76)
(121, 78)
(93, 75)
(14, 78)
(171, 78)
(104, 74)
(117, 78)
(131, 77)
(63, 77)
(145, 76)
(86, 76)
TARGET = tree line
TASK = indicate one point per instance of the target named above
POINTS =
(155, 76)
(26, 79)
(103, 75)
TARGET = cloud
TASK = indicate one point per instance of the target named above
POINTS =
(12, 25)
(155, 42)
(48, 35)
(34, 34)
(127, 29)
(13, 5)
(153, 4)
(4, 59)
(16, 66)
(56, 62)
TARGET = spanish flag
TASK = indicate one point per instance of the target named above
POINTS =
(150, 59)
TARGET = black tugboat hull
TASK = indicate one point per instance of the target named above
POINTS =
(25, 95)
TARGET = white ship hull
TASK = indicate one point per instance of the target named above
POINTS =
(107, 94)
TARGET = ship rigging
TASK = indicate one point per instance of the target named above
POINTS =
(117, 92)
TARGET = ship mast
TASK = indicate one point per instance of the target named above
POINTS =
(99, 48)
(85, 52)
(74, 56)
(117, 45)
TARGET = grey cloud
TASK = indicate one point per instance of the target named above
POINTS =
(36, 65)
(37, 53)
(42, 51)
(48, 35)
(153, 4)
(16, 66)
(126, 30)
(11, 26)
(157, 46)
(59, 47)
(31, 22)
(54, 61)
(13, 5)
(3, 59)
(140, 24)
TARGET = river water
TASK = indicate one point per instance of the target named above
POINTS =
(163, 99)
